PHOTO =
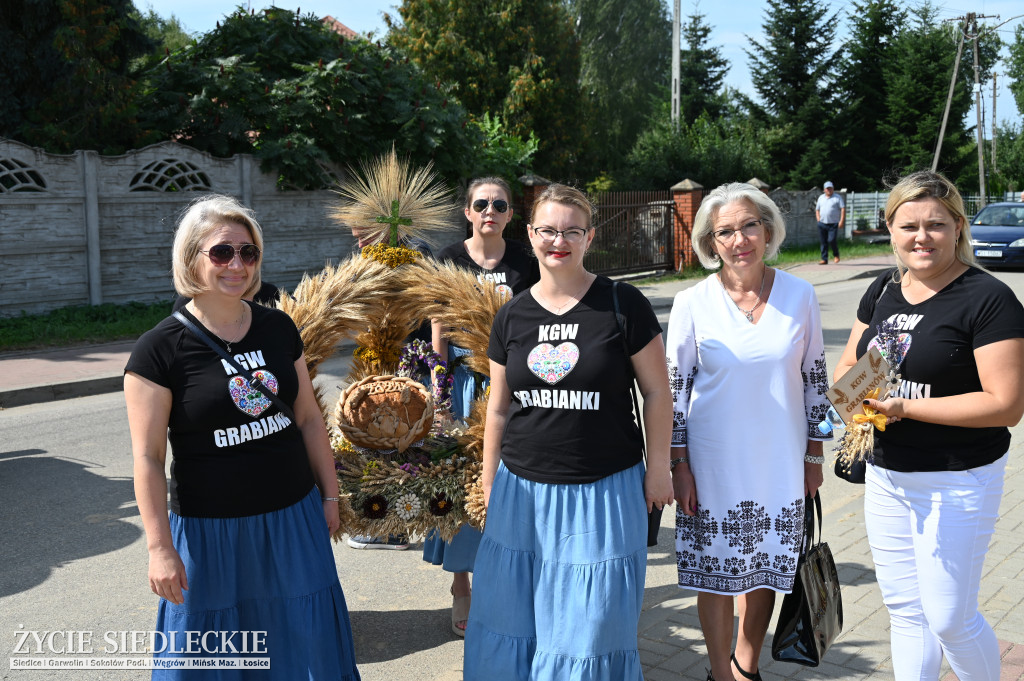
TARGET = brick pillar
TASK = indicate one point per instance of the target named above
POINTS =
(687, 196)
(760, 184)
(533, 186)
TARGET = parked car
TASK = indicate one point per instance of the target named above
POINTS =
(997, 235)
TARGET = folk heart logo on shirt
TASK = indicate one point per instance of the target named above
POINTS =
(250, 401)
(551, 363)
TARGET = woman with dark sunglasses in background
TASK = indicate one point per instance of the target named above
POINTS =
(509, 267)
(245, 550)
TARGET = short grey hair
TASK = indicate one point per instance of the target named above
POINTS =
(199, 220)
(702, 235)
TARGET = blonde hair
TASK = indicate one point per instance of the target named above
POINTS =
(567, 196)
(702, 235)
(199, 220)
(925, 184)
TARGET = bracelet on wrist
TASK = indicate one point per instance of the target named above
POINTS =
(676, 461)
(810, 458)
(329, 499)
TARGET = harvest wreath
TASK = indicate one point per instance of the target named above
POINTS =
(402, 467)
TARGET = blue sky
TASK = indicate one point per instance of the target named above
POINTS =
(734, 24)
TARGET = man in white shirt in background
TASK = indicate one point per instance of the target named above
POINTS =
(830, 211)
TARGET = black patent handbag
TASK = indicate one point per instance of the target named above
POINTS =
(853, 473)
(811, 616)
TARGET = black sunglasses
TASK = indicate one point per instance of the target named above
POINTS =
(223, 254)
(500, 205)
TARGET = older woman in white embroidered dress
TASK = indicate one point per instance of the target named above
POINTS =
(747, 366)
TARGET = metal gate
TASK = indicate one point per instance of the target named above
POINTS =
(634, 232)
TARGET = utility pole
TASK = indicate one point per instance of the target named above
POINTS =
(994, 74)
(949, 96)
(972, 19)
(675, 65)
(977, 110)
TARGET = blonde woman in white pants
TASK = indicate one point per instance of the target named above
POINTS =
(932, 493)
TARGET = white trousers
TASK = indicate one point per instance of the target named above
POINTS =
(929, 533)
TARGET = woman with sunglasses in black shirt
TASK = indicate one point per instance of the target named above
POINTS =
(509, 267)
(245, 546)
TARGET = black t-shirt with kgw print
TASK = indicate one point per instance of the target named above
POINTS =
(235, 454)
(517, 271)
(938, 338)
(571, 416)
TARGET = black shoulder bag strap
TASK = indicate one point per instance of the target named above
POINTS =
(654, 516)
(254, 383)
(620, 319)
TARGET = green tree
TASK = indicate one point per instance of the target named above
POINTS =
(167, 34)
(702, 71)
(1015, 67)
(290, 91)
(866, 155)
(708, 151)
(625, 53)
(516, 58)
(1010, 157)
(790, 73)
(918, 76)
(503, 154)
(65, 65)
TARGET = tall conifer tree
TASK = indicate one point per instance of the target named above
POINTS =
(791, 73)
(702, 71)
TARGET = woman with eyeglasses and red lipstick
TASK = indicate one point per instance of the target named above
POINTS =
(510, 267)
(246, 544)
(561, 567)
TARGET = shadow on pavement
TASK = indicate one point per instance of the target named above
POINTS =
(382, 635)
(55, 510)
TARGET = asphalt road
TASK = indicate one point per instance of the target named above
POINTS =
(73, 554)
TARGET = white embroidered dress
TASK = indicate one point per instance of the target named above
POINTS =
(747, 399)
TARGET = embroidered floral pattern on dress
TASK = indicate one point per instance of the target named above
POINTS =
(685, 560)
(680, 385)
(708, 564)
(746, 526)
(784, 563)
(816, 382)
(735, 565)
(760, 561)
(789, 524)
(750, 531)
(697, 531)
(817, 376)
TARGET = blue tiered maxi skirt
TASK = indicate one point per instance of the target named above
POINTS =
(274, 573)
(559, 581)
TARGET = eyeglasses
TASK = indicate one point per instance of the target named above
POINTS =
(223, 254)
(751, 229)
(480, 205)
(572, 235)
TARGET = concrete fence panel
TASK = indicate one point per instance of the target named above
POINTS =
(86, 229)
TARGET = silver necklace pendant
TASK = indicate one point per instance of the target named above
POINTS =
(749, 315)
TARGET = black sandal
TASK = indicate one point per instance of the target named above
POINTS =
(756, 676)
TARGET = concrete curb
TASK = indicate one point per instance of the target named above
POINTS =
(20, 397)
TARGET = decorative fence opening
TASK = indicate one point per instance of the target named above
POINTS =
(634, 232)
